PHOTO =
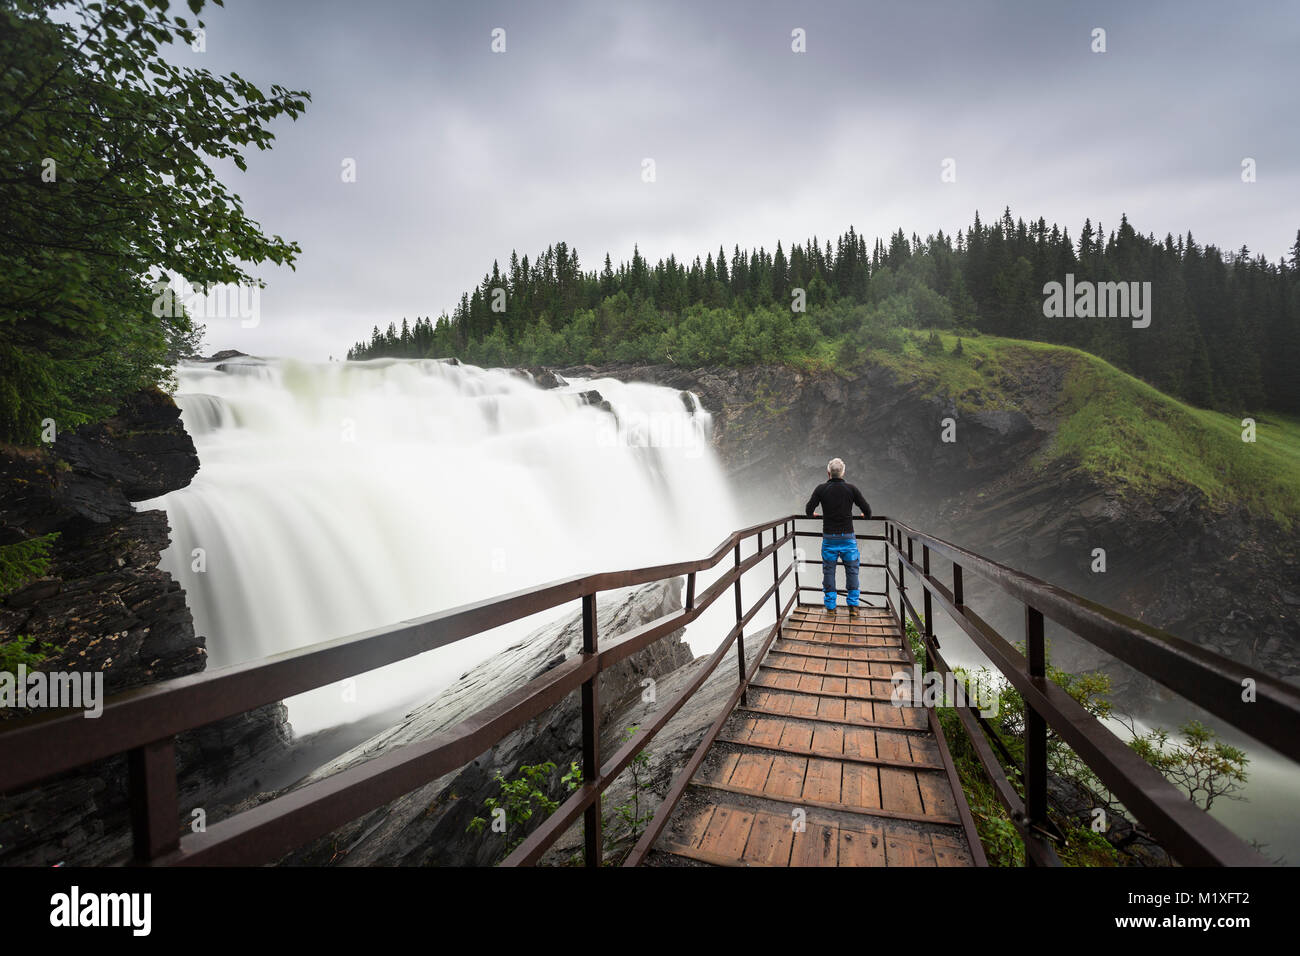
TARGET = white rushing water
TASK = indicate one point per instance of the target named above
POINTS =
(334, 498)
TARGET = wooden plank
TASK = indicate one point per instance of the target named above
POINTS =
(688, 828)
(770, 840)
(833, 685)
(794, 647)
(831, 708)
(803, 705)
(718, 769)
(783, 681)
(695, 853)
(751, 771)
(769, 702)
(861, 689)
(899, 792)
(950, 851)
(799, 645)
(828, 739)
(766, 732)
(860, 713)
(727, 832)
(809, 683)
(816, 845)
(860, 786)
(822, 781)
(796, 737)
(885, 715)
(925, 749)
(820, 805)
(936, 795)
(848, 721)
(776, 679)
(898, 851)
(905, 764)
(795, 664)
(743, 727)
(859, 742)
(923, 852)
(893, 746)
(865, 847)
(786, 779)
(829, 666)
(901, 718)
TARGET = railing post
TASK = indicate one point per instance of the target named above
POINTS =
(591, 734)
(794, 556)
(1035, 726)
(690, 591)
(776, 583)
(902, 586)
(155, 812)
(958, 591)
(740, 638)
(884, 561)
(928, 637)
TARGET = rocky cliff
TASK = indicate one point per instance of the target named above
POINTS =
(105, 606)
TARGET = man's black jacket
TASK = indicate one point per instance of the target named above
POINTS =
(837, 498)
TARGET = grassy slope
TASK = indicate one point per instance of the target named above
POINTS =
(1117, 427)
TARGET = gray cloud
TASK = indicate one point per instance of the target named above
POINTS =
(463, 154)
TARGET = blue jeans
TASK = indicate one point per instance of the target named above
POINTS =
(837, 548)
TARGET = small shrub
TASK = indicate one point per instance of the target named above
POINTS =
(22, 561)
(19, 651)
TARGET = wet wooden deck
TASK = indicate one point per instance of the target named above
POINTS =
(820, 768)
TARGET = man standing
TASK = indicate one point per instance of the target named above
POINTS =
(839, 543)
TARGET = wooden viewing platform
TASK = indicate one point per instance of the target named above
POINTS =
(819, 767)
(807, 762)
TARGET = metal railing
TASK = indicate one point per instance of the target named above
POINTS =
(143, 723)
(1261, 706)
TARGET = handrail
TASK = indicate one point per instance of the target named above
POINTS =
(43, 745)
(143, 723)
(1179, 665)
(1201, 676)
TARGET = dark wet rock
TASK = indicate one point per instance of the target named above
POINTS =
(1077, 802)
(105, 606)
(143, 449)
(596, 400)
(546, 378)
(225, 354)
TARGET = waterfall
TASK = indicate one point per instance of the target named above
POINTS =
(337, 497)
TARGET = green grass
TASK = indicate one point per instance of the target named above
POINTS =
(1116, 427)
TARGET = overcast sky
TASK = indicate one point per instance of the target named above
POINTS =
(463, 154)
